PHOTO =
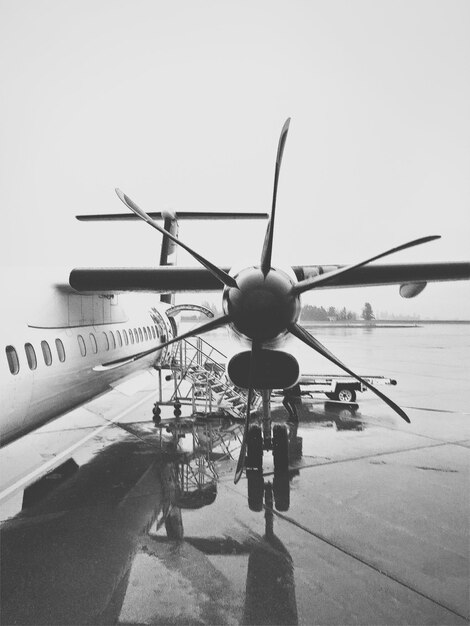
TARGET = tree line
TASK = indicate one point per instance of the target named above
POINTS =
(332, 314)
(311, 313)
(320, 314)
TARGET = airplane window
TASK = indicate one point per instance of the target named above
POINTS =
(136, 336)
(12, 358)
(113, 340)
(94, 345)
(31, 356)
(81, 344)
(119, 338)
(106, 341)
(153, 331)
(140, 334)
(46, 352)
(60, 350)
(131, 336)
(126, 338)
(145, 334)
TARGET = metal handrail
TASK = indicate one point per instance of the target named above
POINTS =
(207, 343)
(203, 366)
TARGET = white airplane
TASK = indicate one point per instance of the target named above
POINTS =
(260, 303)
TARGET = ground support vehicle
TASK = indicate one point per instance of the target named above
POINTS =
(339, 387)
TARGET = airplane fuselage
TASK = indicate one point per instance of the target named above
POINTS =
(48, 370)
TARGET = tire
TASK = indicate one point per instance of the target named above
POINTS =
(280, 448)
(255, 490)
(281, 491)
(346, 395)
(254, 444)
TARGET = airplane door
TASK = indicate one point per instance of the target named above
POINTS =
(161, 331)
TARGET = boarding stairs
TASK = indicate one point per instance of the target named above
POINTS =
(200, 364)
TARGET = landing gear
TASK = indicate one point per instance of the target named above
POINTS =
(258, 439)
(280, 448)
(265, 437)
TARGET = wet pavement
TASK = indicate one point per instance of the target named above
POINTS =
(144, 525)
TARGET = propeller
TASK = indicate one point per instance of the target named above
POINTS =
(268, 239)
(320, 281)
(306, 337)
(242, 455)
(224, 278)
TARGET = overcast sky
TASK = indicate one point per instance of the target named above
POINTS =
(181, 105)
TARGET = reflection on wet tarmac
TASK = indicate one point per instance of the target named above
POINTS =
(270, 584)
(83, 534)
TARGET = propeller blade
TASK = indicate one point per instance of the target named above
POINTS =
(323, 279)
(268, 239)
(242, 455)
(204, 328)
(224, 278)
(307, 338)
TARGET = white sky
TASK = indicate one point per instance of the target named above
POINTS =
(181, 104)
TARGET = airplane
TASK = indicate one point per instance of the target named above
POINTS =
(261, 304)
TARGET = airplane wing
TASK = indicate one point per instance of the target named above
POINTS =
(180, 279)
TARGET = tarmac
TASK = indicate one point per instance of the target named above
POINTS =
(111, 520)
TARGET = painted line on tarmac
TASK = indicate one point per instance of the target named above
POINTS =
(364, 457)
(361, 560)
(42, 469)
(425, 408)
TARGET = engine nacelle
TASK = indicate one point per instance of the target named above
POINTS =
(273, 369)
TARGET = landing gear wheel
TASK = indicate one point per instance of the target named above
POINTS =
(346, 395)
(281, 490)
(255, 490)
(254, 444)
(280, 448)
